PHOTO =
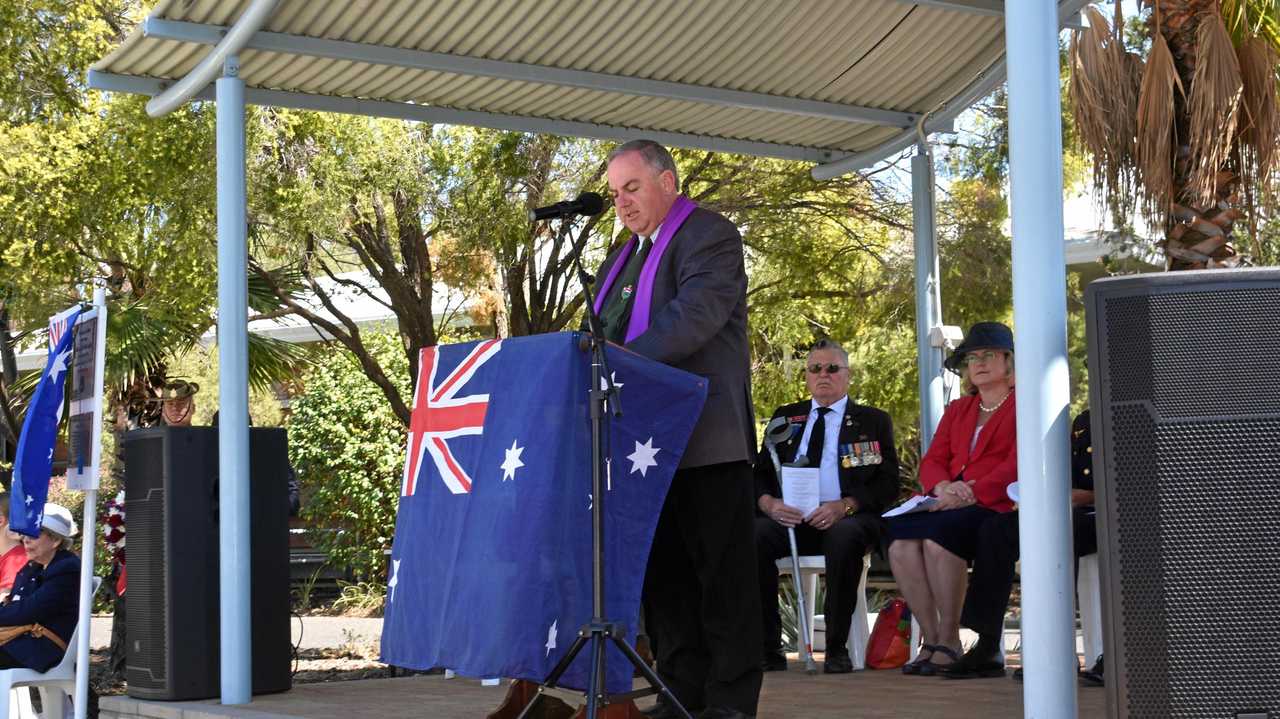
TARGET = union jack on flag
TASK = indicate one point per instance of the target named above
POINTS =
(439, 415)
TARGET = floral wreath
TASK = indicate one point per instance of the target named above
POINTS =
(113, 527)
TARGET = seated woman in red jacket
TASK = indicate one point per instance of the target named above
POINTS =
(969, 465)
(39, 615)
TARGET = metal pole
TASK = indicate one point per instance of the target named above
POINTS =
(89, 529)
(928, 293)
(233, 381)
(1040, 317)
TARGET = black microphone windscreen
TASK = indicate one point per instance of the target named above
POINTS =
(591, 203)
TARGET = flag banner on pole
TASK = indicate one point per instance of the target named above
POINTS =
(490, 571)
(34, 462)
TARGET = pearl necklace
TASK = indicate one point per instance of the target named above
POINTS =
(985, 408)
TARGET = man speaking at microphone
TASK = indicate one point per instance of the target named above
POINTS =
(676, 292)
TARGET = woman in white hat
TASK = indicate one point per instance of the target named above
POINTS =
(39, 615)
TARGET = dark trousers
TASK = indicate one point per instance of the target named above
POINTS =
(987, 598)
(842, 546)
(701, 605)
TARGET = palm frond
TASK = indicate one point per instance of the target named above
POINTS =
(1260, 126)
(1214, 108)
(272, 360)
(141, 337)
(1154, 151)
(1104, 96)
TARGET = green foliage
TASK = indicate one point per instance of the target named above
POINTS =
(348, 448)
(361, 599)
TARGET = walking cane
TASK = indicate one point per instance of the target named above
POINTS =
(777, 431)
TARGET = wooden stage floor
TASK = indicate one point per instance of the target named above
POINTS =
(869, 695)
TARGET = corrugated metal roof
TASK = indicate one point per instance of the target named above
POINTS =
(809, 79)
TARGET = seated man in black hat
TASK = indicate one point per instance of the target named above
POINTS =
(987, 598)
(852, 447)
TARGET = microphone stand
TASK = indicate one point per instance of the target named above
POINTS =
(599, 631)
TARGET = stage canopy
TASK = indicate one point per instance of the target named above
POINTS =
(824, 81)
(839, 83)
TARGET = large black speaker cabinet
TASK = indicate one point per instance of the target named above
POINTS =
(1184, 374)
(172, 622)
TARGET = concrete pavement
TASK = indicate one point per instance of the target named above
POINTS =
(315, 632)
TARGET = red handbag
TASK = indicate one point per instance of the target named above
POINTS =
(889, 646)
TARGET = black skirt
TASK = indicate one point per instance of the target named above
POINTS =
(955, 529)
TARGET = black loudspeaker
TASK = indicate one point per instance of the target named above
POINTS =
(1184, 373)
(172, 622)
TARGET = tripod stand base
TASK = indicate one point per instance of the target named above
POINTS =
(522, 692)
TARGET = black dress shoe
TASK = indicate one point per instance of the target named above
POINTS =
(973, 665)
(837, 663)
(1094, 676)
(1017, 674)
(774, 662)
(664, 710)
(723, 713)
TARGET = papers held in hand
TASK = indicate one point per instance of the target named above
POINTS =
(800, 487)
(918, 503)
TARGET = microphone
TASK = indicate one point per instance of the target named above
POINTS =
(588, 203)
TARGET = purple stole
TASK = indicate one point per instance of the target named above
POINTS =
(639, 322)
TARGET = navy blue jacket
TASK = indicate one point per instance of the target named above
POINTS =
(49, 596)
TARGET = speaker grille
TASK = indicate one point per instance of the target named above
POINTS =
(1197, 353)
(146, 595)
(1188, 385)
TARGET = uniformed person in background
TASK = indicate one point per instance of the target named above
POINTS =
(991, 582)
(852, 447)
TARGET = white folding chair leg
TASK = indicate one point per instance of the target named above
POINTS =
(1090, 591)
(859, 628)
(810, 599)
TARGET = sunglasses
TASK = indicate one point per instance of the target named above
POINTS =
(830, 368)
(973, 358)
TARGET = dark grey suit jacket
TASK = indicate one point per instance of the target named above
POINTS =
(698, 323)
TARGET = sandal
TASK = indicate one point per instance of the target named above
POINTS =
(931, 669)
(919, 663)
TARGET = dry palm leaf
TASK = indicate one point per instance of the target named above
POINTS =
(1260, 126)
(1103, 91)
(1214, 108)
(1154, 151)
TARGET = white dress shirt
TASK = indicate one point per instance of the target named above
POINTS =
(829, 470)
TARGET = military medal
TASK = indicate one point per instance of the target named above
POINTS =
(627, 290)
(846, 456)
(874, 457)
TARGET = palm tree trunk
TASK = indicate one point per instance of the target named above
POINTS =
(1198, 235)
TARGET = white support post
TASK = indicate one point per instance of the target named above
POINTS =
(233, 380)
(89, 528)
(1040, 318)
(928, 293)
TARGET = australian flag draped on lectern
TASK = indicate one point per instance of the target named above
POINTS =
(491, 568)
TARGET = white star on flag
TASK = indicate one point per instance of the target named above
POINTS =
(30, 499)
(59, 365)
(604, 386)
(590, 501)
(551, 637)
(643, 458)
(512, 462)
(395, 580)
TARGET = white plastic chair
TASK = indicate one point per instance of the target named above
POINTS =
(859, 631)
(1089, 589)
(56, 685)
